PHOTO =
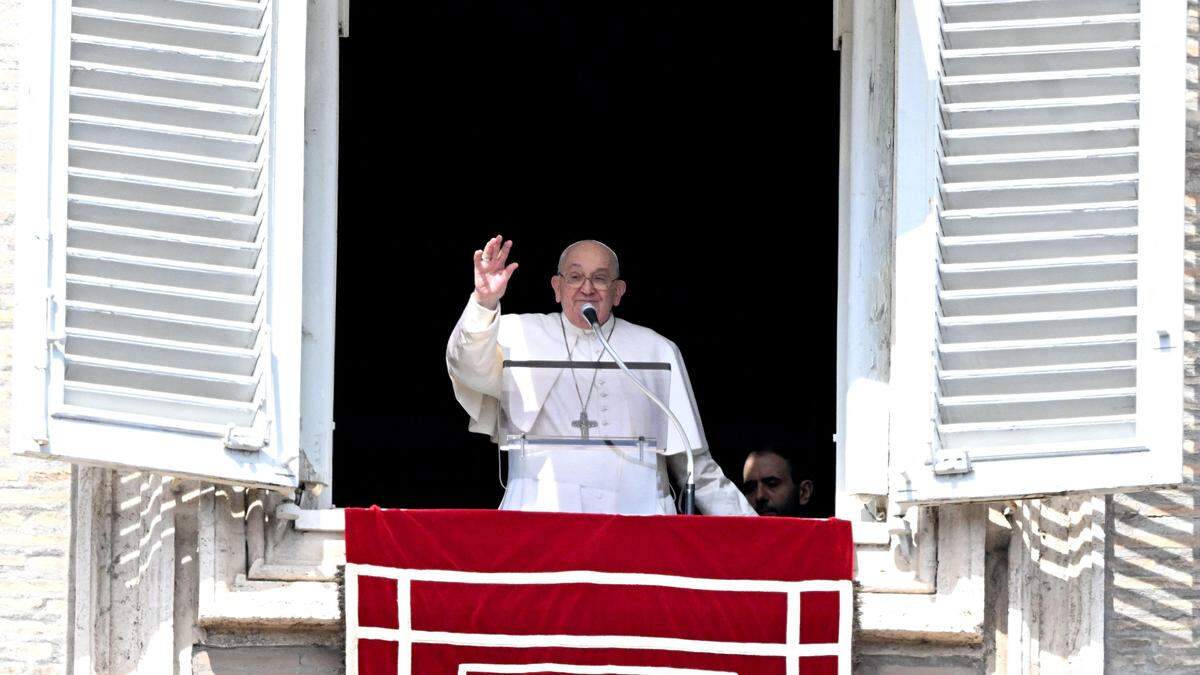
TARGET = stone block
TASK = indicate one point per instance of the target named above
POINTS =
(1176, 573)
(12, 651)
(19, 607)
(30, 631)
(1176, 630)
(1154, 533)
(1176, 657)
(278, 660)
(57, 475)
(34, 499)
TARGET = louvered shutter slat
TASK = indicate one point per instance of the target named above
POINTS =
(154, 110)
(1043, 112)
(1033, 165)
(165, 245)
(152, 190)
(84, 399)
(996, 407)
(1043, 272)
(1078, 323)
(1039, 32)
(231, 280)
(1040, 85)
(1054, 378)
(1035, 245)
(166, 85)
(1037, 352)
(162, 218)
(1046, 298)
(184, 140)
(162, 57)
(170, 353)
(140, 323)
(1039, 58)
(1038, 192)
(1002, 10)
(172, 299)
(1043, 137)
(1039, 219)
(121, 159)
(164, 30)
(242, 13)
(158, 378)
(991, 437)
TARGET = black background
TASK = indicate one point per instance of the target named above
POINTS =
(697, 139)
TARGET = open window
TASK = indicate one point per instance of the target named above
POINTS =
(160, 238)
(1039, 248)
(674, 131)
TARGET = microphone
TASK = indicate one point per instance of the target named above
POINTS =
(689, 492)
(589, 312)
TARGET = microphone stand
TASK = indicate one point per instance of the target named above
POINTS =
(689, 490)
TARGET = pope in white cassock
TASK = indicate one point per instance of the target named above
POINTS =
(575, 401)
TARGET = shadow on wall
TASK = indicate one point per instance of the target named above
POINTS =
(1152, 604)
(1053, 620)
(127, 562)
(1152, 595)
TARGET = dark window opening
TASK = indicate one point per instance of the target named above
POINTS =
(699, 140)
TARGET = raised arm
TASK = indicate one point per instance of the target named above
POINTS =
(473, 356)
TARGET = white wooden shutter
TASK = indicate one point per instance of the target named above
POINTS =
(1040, 278)
(171, 239)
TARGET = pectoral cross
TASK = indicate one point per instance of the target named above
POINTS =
(583, 424)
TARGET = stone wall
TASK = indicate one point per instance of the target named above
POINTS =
(279, 660)
(1153, 602)
(35, 495)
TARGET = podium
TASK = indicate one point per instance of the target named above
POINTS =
(433, 592)
(584, 437)
(527, 384)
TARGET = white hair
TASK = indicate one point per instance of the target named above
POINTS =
(616, 263)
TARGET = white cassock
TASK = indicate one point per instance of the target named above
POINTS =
(605, 480)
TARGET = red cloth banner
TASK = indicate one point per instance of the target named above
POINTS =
(491, 592)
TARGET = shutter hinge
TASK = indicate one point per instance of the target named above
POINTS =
(951, 462)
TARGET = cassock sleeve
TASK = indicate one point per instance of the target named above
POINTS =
(475, 364)
(716, 495)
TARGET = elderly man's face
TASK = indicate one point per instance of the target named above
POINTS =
(589, 262)
(768, 485)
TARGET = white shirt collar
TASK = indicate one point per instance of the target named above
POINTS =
(576, 331)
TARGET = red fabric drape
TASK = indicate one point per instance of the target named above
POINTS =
(733, 548)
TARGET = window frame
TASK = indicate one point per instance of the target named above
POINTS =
(896, 550)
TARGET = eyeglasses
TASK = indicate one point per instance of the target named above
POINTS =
(601, 282)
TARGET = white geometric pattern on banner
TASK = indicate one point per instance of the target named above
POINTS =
(791, 649)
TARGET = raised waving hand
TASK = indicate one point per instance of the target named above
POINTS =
(492, 271)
